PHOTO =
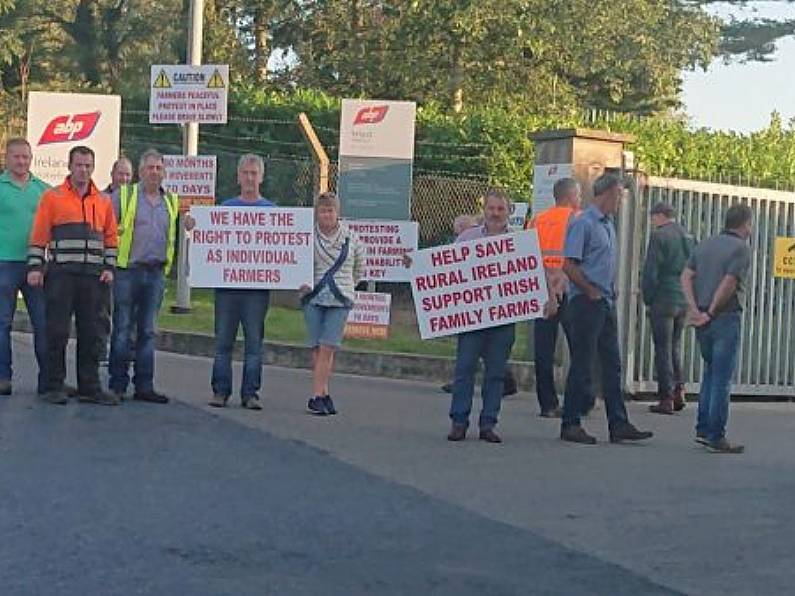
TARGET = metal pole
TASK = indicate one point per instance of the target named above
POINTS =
(190, 146)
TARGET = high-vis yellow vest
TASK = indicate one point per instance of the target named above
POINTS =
(128, 204)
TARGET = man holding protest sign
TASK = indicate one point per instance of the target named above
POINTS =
(591, 254)
(235, 308)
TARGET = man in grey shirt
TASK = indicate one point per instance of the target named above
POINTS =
(591, 261)
(714, 285)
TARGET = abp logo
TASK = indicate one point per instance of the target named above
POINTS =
(370, 115)
(69, 128)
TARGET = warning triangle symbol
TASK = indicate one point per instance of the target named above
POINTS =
(216, 81)
(161, 82)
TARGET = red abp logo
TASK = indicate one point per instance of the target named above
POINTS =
(371, 115)
(69, 128)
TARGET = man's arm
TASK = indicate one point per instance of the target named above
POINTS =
(697, 318)
(726, 289)
(650, 271)
(572, 270)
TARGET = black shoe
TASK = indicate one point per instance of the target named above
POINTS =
(100, 398)
(329, 405)
(627, 432)
(576, 434)
(150, 396)
(458, 432)
(488, 435)
(55, 397)
(701, 439)
(722, 445)
(447, 387)
(316, 406)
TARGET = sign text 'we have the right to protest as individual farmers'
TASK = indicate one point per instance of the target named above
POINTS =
(249, 247)
(478, 284)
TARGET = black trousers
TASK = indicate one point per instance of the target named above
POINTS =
(70, 294)
(667, 325)
(103, 320)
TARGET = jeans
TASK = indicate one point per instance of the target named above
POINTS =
(234, 308)
(545, 339)
(594, 334)
(137, 296)
(667, 325)
(69, 293)
(493, 345)
(718, 342)
(13, 279)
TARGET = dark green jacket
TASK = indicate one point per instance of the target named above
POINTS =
(669, 249)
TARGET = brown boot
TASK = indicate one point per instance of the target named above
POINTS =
(458, 432)
(665, 406)
(679, 398)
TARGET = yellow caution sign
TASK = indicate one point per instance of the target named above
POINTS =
(216, 81)
(784, 258)
(161, 82)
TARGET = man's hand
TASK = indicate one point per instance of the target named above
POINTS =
(407, 260)
(35, 278)
(188, 222)
(106, 277)
(698, 318)
(304, 290)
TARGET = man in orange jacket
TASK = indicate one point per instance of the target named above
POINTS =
(73, 249)
(551, 226)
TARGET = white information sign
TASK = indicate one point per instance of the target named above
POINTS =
(478, 284)
(183, 93)
(370, 128)
(369, 317)
(518, 216)
(59, 121)
(251, 247)
(544, 178)
(385, 244)
(192, 177)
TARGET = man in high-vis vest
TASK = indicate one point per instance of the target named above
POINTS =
(72, 253)
(147, 217)
(551, 226)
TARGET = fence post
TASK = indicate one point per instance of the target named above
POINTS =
(318, 153)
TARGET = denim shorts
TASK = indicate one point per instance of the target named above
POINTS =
(325, 324)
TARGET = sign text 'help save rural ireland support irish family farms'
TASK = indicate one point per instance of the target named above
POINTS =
(250, 247)
(478, 284)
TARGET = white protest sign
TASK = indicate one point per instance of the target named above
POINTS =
(385, 244)
(192, 178)
(478, 284)
(544, 178)
(518, 215)
(183, 93)
(59, 121)
(251, 247)
(369, 317)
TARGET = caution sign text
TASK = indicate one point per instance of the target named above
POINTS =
(181, 93)
(784, 258)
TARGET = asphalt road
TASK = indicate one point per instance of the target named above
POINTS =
(184, 499)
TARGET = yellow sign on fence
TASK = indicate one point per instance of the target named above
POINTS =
(784, 258)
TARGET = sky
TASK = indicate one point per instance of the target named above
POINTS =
(739, 96)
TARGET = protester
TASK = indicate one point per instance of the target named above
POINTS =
(591, 261)
(666, 257)
(551, 226)
(76, 222)
(339, 266)
(714, 287)
(460, 224)
(492, 345)
(245, 308)
(147, 216)
(120, 174)
(20, 192)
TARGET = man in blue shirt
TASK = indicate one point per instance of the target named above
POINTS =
(591, 254)
(236, 308)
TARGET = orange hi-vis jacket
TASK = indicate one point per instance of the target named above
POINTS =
(551, 226)
(80, 232)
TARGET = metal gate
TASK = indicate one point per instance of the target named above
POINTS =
(766, 358)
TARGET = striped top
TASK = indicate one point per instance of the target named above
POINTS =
(327, 249)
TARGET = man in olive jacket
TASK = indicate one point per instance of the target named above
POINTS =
(669, 249)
